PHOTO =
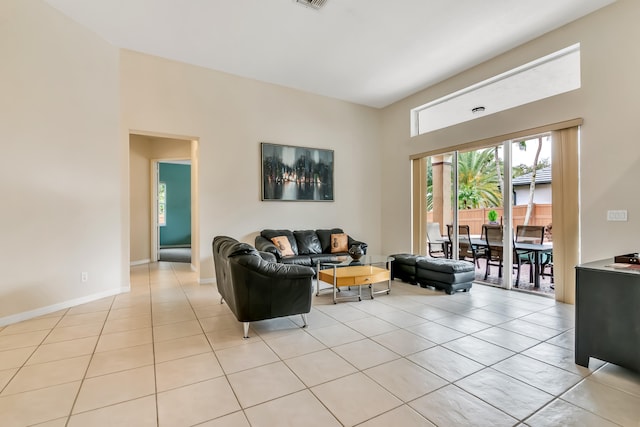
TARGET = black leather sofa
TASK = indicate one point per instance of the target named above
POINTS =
(256, 287)
(309, 246)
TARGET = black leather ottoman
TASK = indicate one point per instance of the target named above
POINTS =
(448, 274)
(404, 267)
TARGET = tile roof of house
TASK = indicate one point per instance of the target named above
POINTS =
(543, 176)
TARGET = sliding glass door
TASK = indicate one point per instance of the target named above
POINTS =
(439, 203)
(474, 201)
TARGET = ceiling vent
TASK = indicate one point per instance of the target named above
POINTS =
(314, 4)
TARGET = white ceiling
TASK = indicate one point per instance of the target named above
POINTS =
(371, 52)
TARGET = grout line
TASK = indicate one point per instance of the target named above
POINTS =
(84, 377)
(224, 373)
(443, 305)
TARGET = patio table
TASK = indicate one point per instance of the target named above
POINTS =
(537, 248)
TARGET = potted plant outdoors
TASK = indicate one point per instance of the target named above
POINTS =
(493, 217)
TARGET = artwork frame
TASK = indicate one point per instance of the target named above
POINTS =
(296, 174)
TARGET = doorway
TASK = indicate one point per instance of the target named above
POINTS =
(147, 151)
(173, 207)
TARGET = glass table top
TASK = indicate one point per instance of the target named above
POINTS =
(346, 260)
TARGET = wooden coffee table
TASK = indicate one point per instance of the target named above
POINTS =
(368, 270)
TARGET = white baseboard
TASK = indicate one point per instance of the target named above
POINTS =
(207, 280)
(140, 262)
(26, 315)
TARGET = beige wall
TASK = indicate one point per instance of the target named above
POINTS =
(139, 199)
(609, 101)
(231, 116)
(69, 101)
(60, 169)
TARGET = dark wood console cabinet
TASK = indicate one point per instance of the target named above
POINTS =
(607, 314)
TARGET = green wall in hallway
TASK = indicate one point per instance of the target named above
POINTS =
(177, 230)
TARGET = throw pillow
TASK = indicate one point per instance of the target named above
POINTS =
(283, 245)
(339, 243)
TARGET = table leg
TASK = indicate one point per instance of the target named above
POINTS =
(536, 271)
(318, 280)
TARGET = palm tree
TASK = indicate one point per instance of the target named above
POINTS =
(478, 181)
(496, 163)
(429, 185)
(532, 186)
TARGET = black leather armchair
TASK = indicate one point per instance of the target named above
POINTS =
(255, 287)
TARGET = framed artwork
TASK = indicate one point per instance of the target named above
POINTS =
(292, 173)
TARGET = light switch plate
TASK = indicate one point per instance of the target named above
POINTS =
(617, 215)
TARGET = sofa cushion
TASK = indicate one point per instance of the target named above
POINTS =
(325, 238)
(405, 259)
(339, 243)
(283, 245)
(270, 234)
(315, 259)
(428, 276)
(403, 267)
(445, 265)
(308, 242)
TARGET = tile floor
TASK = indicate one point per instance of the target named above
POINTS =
(169, 354)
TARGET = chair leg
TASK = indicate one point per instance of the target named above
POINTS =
(245, 325)
(221, 300)
(530, 272)
(304, 320)
(486, 271)
(543, 267)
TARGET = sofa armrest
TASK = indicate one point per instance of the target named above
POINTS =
(290, 271)
(273, 270)
(265, 245)
(268, 256)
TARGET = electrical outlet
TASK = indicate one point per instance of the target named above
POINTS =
(617, 215)
(85, 276)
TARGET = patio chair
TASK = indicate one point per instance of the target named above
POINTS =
(467, 249)
(547, 262)
(493, 235)
(437, 246)
(528, 234)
